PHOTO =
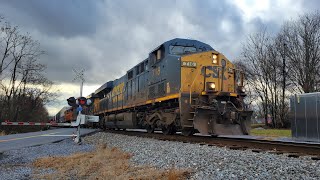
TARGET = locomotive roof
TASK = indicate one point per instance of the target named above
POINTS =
(107, 85)
(186, 42)
(175, 41)
(63, 109)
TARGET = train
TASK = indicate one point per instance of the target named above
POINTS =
(65, 115)
(60, 116)
(182, 86)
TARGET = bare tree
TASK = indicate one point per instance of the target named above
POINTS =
(255, 59)
(284, 64)
(8, 35)
(24, 89)
(262, 61)
(302, 37)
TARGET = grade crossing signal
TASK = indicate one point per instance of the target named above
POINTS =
(81, 118)
(72, 101)
(82, 101)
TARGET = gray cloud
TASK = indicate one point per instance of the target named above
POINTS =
(109, 37)
(311, 5)
(135, 29)
(56, 18)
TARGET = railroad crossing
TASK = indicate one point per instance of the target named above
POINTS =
(81, 120)
(17, 141)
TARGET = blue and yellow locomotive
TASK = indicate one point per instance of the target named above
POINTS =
(184, 85)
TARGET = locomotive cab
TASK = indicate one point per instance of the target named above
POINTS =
(213, 92)
(209, 87)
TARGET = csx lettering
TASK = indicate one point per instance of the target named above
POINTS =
(212, 71)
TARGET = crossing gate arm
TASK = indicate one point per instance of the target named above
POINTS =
(81, 119)
(8, 123)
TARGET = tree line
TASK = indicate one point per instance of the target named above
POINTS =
(280, 65)
(24, 88)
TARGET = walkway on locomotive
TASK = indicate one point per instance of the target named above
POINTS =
(156, 79)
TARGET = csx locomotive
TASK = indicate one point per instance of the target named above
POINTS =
(184, 85)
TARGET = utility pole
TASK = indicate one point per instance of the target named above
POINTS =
(79, 75)
(284, 79)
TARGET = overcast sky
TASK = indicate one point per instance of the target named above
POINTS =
(109, 37)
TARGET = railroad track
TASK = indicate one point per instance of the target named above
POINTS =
(292, 149)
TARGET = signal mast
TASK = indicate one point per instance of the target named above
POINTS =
(79, 75)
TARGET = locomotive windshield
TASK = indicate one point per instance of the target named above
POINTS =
(177, 50)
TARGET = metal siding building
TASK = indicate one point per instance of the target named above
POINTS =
(304, 113)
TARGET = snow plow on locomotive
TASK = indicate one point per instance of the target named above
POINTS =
(184, 85)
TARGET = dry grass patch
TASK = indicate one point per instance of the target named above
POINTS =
(2, 133)
(104, 163)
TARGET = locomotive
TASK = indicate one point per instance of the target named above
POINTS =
(65, 115)
(184, 85)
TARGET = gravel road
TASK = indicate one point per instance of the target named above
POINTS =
(207, 162)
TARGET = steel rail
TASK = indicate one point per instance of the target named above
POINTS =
(293, 149)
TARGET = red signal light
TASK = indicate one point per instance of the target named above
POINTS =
(82, 102)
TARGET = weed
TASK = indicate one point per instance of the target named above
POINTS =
(2, 133)
(104, 163)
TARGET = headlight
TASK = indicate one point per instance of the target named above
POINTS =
(211, 86)
(214, 58)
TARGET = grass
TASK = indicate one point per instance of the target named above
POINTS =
(257, 125)
(271, 132)
(2, 133)
(104, 163)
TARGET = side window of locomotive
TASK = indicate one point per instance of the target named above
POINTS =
(130, 74)
(200, 49)
(156, 56)
(142, 67)
(146, 65)
(159, 54)
(178, 50)
(152, 59)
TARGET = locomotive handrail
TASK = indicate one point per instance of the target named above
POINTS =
(193, 83)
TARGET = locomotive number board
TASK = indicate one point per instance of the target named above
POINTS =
(188, 64)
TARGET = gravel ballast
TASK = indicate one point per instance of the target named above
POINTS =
(210, 162)
(206, 162)
(15, 164)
